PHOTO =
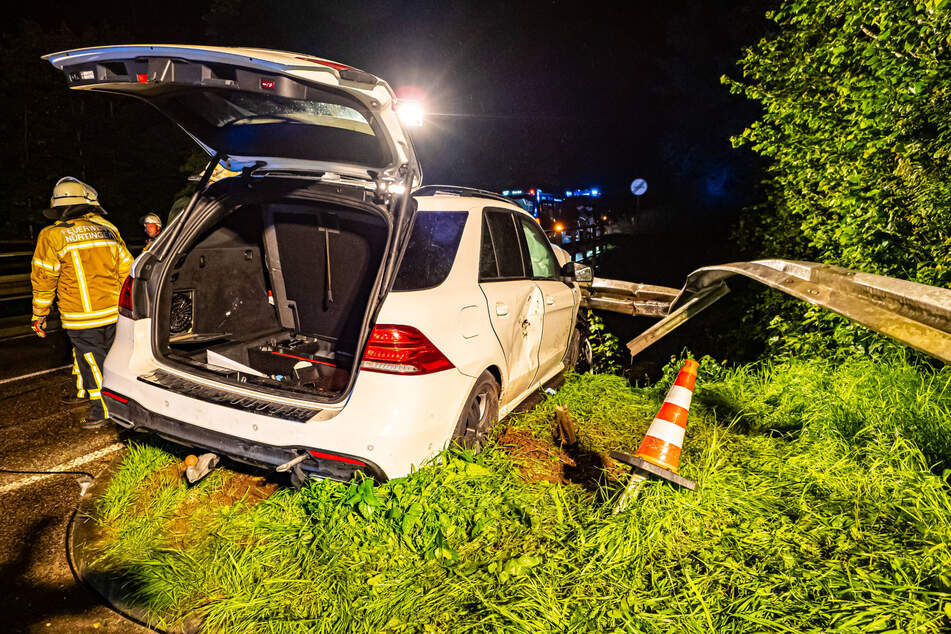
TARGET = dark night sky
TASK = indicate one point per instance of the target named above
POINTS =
(557, 94)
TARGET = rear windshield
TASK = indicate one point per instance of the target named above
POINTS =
(431, 250)
(241, 123)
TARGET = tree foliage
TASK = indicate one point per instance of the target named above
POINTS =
(123, 147)
(856, 127)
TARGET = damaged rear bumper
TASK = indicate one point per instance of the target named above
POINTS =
(325, 464)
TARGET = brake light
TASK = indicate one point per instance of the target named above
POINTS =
(142, 78)
(125, 299)
(402, 350)
(326, 62)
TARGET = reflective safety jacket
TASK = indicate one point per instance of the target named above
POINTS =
(84, 261)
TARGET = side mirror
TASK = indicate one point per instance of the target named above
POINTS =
(576, 272)
(583, 273)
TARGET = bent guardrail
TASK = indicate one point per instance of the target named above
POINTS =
(915, 314)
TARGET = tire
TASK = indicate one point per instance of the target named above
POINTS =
(578, 357)
(479, 414)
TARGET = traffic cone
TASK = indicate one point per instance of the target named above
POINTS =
(665, 438)
(659, 452)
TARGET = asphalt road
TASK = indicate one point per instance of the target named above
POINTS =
(28, 353)
(38, 433)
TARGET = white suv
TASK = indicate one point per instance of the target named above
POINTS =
(310, 311)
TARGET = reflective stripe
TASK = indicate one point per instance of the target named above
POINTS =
(91, 360)
(668, 432)
(80, 392)
(679, 395)
(43, 302)
(81, 278)
(95, 368)
(45, 265)
(87, 245)
(79, 325)
(99, 313)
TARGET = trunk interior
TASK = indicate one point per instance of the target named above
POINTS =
(275, 295)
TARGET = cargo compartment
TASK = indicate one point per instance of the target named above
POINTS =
(274, 296)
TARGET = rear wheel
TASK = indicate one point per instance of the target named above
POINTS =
(480, 413)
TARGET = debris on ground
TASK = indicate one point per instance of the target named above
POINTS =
(198, 468)
(564, 429)
(538, 460)
(236, 488)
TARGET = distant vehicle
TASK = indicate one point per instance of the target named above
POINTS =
(278, 321)
(543, 206)
(560, 214)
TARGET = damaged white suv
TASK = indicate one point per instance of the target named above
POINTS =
(311, 311)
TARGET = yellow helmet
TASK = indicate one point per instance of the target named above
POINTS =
(70, 191)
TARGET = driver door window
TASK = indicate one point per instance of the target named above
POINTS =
(542, 259)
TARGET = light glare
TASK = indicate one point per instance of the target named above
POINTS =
(410, 113)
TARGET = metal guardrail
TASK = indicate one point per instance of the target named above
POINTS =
(15, 286)
(628, 298)
(915, 314)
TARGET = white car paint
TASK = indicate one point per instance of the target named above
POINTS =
(518, 329)
(397, 422)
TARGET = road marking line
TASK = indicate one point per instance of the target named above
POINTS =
(67, 466)
(32, 374)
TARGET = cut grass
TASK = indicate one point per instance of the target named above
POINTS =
(819, 509)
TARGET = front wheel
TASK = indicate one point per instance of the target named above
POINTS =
(579, 355)
(480, 413)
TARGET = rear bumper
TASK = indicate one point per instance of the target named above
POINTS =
(130, 414)
(396, 423)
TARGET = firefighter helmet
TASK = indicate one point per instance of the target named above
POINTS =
(67, 192)
(152, 219)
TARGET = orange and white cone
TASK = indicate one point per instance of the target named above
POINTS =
(659, 452)
(665, 438)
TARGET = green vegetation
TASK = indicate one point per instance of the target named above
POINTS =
(821, 507)
(856, 130)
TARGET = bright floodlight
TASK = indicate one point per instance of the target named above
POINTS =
(410, 113)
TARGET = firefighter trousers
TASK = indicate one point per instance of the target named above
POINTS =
(90, 346)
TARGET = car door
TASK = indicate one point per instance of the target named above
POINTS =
(561, 299)
(515, 303)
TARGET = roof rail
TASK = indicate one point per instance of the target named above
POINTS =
(433, 190)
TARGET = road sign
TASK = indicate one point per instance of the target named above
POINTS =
(639, 186)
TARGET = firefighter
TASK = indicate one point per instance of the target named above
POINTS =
(153, 227)
(82, 260)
